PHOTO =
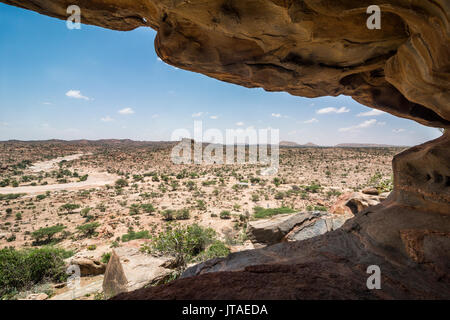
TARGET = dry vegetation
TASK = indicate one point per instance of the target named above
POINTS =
(145, 191)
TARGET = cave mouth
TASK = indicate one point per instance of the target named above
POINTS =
(407, 235)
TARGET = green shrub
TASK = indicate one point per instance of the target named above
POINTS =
(88, 229)
(132, 235)
(69, 207)
(261, 213)
(21, 269)
(168, 214)
(225, 214)
(11, 196)
(215, 250)
(41, 197)
(105, 257)
(45, 235)
(186, 244)
(279, 195)
(120, 183)
(313, 187)
(134, 209)
(182, 214)
(148, 208)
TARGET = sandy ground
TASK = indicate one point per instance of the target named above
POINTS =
(50, 164)
(95, 179)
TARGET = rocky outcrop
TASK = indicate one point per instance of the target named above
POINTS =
(293, 227)
(354, 202)
(411, 245)
(88, 266)
(317, 48)
(129, 269)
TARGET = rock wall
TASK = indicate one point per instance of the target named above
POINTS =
(316, 48)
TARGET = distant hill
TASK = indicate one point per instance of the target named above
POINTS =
(364, 145)
(295, 144)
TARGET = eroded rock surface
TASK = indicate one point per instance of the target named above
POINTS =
(129, 269)
(355, 202)
(316, 48)
(293, 227)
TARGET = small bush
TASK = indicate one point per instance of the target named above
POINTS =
(120, 183)
(225, 215)
(261, 213)
(168, 214)
(105, 257)
(182, 214)
(148, 208)
(88, 229)
(11, 196)
(69, 207)
(132, 235)
(45, 235)
(186, 244)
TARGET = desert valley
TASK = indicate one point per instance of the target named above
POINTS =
(89, 197)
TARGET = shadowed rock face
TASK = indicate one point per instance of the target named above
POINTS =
(308, 48)
(315, 48)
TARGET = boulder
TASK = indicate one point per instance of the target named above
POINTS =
(129, 269)
(371, 191)
(273, 230)
(88, 266)
(354, 202)
(293, 227)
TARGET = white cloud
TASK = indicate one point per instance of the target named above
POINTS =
(382, 123)
(276, 115)
(76, 94)
(47, 103)
(371, 113)
(4, 124)
(365, 124)
(159, 59)
(155, 116)
(196, 115)
(126, 111)
(333, 110)
(313, 120)
(240, 123)
(107, 119)
(214, 117)
(398, 130)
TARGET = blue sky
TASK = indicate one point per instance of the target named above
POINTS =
(96, 83)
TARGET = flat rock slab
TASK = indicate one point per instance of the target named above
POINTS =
(293, 227)
(72, 294)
